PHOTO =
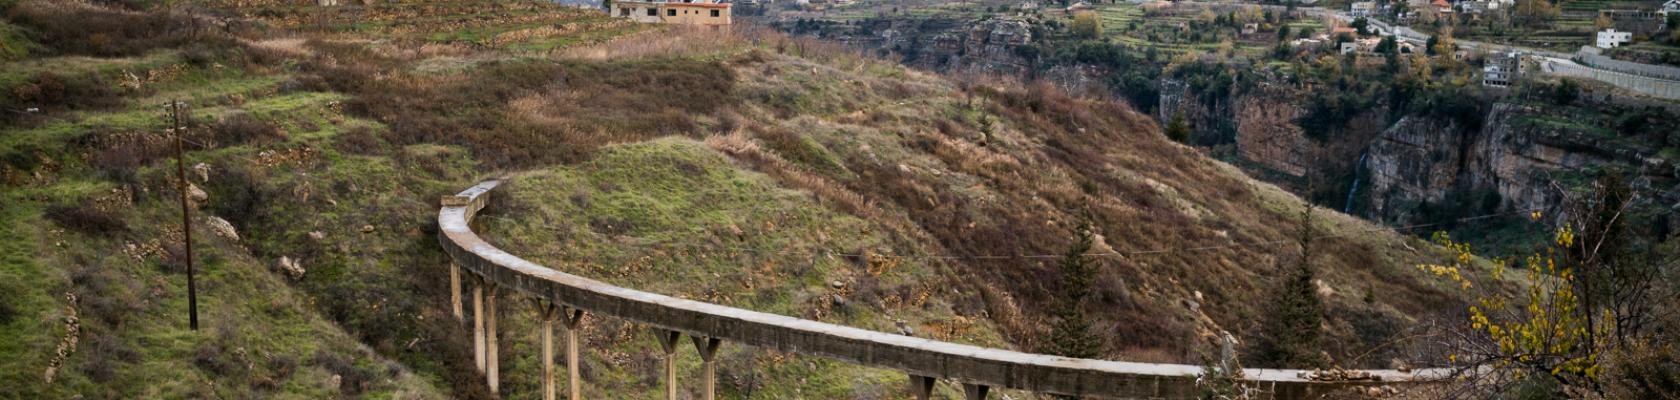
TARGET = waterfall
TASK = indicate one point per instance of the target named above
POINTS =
(1347, 205)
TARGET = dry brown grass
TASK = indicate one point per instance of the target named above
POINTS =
(981, 171)
(665, 41)
(1186, 223)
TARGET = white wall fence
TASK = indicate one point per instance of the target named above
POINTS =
(1654, 87)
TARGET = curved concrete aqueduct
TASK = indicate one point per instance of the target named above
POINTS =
(563, 298)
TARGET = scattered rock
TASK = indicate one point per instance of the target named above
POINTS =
(203, 172)
(1324, 289)
(197, 195)
(1338, 374)
(837, 284)
(290, 267)
(317, 236)
(367, 228)
(904, 328)
(1401, 366)
(221, 227)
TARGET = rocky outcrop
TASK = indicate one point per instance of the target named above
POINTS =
(1415, 161)
(1211, 120)
(1266, 132)
(989, 46)
(1514, 162)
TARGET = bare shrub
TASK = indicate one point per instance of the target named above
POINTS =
(240, 129)
(104, 351)
(352, 380)
(674, 41)
(212, 358)
(527, 112)
(119, 156)
(87, 220)
(80, 28)
(51, 92)
(103, 296)
(359, 140)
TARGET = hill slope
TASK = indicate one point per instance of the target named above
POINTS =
(774, 166)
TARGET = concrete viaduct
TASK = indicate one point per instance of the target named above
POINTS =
(564, 298)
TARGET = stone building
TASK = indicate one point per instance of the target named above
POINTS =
(686, 12)
(1500, 69)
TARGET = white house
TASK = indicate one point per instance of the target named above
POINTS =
(1367, 8)
(1671, 7)
(1610, 38)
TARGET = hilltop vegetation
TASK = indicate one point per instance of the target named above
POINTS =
(762, 167)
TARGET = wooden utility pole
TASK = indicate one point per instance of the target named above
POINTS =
(180, 129)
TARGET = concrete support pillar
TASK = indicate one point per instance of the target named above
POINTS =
(546, 335)
(478, 326)
(668, 342)
(491, 366)
(973, 391)
(708, 347)
(571, 320)
(455, 289)
(921, 387)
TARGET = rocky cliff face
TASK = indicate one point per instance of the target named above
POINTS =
(1514, 163)
(1418, 160)
(1212, 121)
(989, 46)
(1266, 132)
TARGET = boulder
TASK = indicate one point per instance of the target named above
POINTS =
(290, 266)
(198, 196)
(203, 172)
(221, 227)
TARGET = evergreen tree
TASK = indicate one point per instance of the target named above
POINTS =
(1290, 332)
(1177, 129)
(1071, 335)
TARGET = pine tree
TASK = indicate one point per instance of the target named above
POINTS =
(1177, 129)
(1290, 333)
(1071, 335)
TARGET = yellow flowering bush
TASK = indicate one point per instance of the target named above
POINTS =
(1541, 330)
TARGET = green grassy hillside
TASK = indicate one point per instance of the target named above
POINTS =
(754, 171)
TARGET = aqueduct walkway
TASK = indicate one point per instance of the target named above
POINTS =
(562, 297)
